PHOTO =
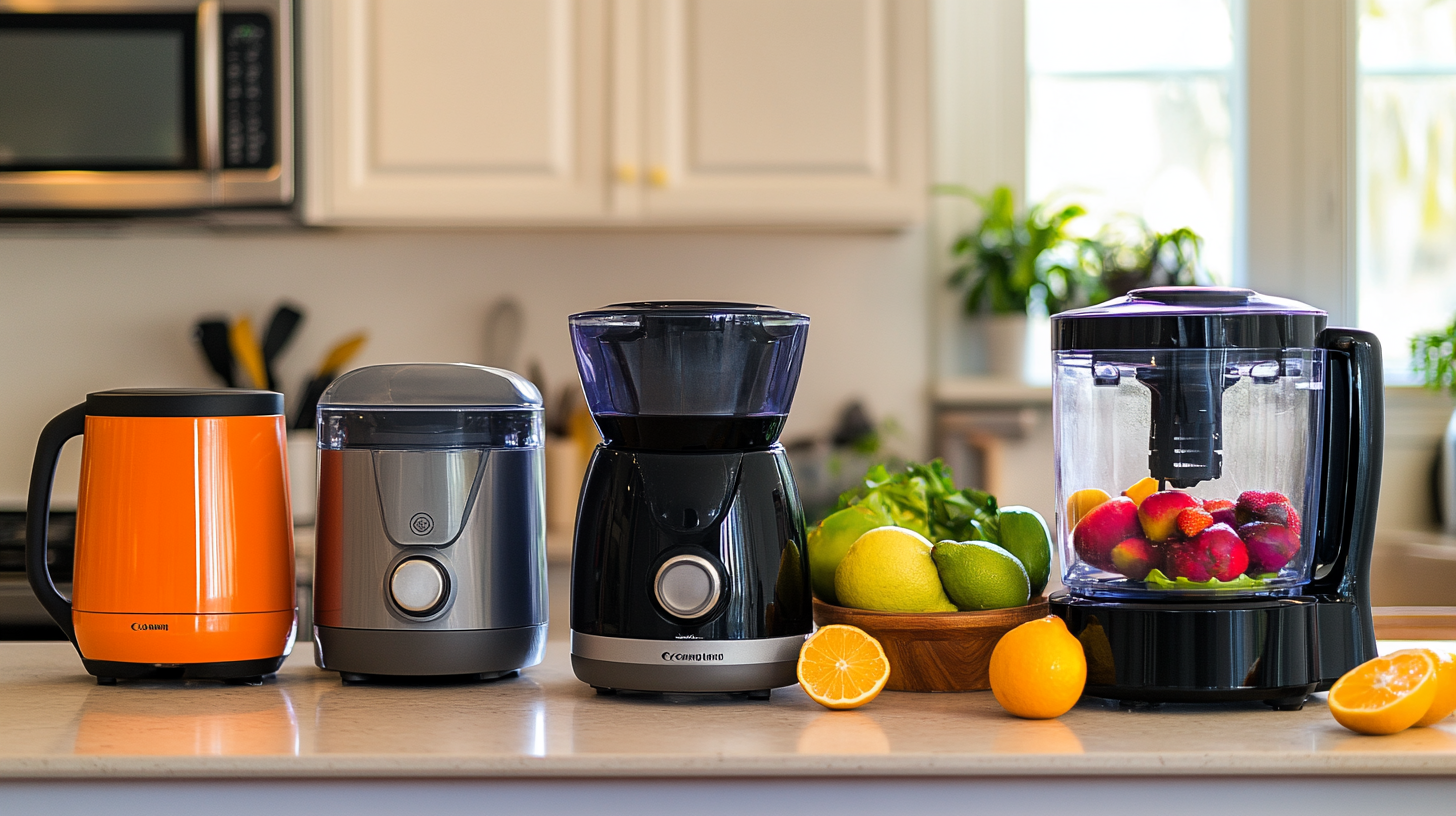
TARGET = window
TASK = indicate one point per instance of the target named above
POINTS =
(1130, 109)
(1406, 197)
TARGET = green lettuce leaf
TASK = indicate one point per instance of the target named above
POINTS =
(923, 498)
(1158, 579)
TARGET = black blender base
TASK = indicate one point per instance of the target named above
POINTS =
(357, 679)
(1246, 650)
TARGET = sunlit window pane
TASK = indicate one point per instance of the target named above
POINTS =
(1129, 112)
(1407, 172)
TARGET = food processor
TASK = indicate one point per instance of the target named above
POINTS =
(689, 572)
(1217, 470)
(430, 551)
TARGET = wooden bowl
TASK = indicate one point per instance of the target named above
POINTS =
(935, 651)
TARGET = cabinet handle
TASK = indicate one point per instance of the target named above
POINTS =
(626, 174)
(657, 176)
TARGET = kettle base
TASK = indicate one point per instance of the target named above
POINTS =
(248, 672)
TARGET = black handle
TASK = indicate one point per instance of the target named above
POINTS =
(70, 423)
(1353, 444)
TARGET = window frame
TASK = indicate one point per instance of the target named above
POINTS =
(1294, 86)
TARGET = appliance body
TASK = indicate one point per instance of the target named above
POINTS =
(430, 550)
(184, 537)
(1251, 410)
(689, 568)
(138, 105)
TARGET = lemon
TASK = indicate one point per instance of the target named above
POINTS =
(828, 543)
(1024, 534)
(889, 569)
(980, 575)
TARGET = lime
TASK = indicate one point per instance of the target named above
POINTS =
(980, 575)
(889, 569)
(1024, 535)
(830, 541)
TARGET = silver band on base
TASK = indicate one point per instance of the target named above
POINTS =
(685, 665)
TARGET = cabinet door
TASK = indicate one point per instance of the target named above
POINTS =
(785, 111)
(454, 111)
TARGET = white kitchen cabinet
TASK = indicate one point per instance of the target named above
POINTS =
(627, 112)
(454, 111)
(785, 110)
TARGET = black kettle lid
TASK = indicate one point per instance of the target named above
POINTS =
(184, 402)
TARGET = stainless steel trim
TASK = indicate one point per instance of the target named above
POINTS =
(710, 598)
(687, 652)
(209, 85)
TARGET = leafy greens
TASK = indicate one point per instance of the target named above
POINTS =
(923, 498)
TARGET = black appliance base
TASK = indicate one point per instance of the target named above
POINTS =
(755, 678)
(439, 653)
(1249, 649)
(240, 672)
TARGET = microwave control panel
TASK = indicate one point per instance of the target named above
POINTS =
(248, 96)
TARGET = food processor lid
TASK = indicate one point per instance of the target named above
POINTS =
(1173, 317)
(431, 385)
(687, 308)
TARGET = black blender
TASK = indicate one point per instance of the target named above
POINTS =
(1218, 465)
(689, 572)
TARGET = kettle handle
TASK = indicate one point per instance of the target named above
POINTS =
(1353, 448)
(70, 423)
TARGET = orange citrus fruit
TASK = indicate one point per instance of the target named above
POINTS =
(1142, 489)
(842, 667)
(1445, 701)
(1081, 503)
(1038, 669)
(1386, 694)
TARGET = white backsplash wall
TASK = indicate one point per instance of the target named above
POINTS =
(89, 308)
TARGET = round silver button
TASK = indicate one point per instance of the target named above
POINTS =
(417, 585)
(687, 586)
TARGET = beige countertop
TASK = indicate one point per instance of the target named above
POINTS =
(58, 724)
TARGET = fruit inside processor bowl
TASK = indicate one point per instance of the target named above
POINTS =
(1187, 472)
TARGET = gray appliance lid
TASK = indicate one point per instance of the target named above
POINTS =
(431, 385)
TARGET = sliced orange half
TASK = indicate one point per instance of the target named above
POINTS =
(842, 667)
(1386, 694)
(1445, 702)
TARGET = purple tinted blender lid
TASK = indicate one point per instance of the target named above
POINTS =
(687, 308)
(1173, 317)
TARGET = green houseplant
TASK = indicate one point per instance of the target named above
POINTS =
(1127, 254)
(1433, 361)
(1010, 264)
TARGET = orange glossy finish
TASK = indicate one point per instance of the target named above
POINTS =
(183, 516)
(183, 638)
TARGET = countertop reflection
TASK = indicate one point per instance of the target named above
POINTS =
(305, 723)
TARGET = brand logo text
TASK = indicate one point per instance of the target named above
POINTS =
(691, 657)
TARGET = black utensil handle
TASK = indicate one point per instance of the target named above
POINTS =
(70, 423)
(1353, 446)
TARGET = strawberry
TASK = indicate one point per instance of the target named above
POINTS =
(1192, 521)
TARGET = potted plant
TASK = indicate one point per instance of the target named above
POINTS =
(1010, 264)
(1433, 361)
(1127, 254)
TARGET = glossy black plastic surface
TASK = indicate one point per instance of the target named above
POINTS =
(689, 433)
(1353, 452)
(739, 511)
(183, 402)
(1178, 317)
(1253, 649)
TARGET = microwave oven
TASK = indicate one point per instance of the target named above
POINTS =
(128, 105)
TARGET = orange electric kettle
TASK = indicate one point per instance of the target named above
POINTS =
(184, 536)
